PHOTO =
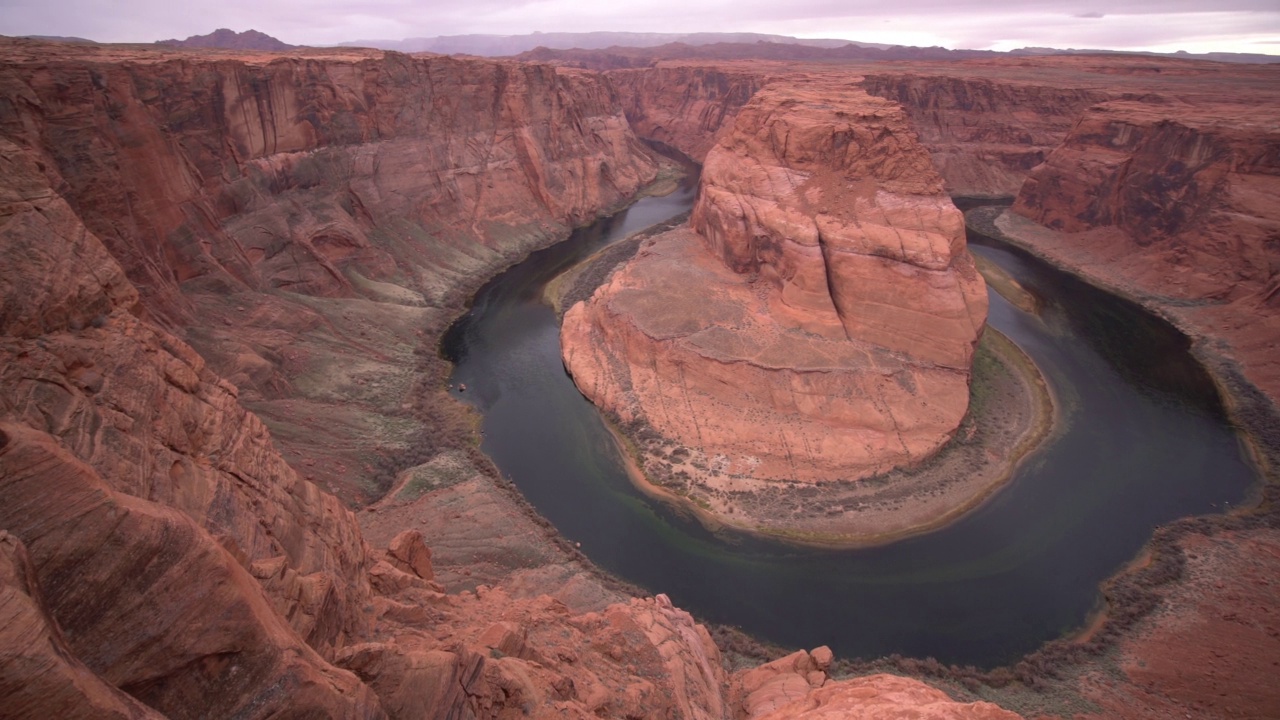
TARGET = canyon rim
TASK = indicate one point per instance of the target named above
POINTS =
(226, 272)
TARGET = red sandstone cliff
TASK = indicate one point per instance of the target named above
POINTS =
(821, 322)
(985, 124)
(685, 106)
(1170, 200)
(984, 134)
(142, 408)
(213, 185)
(178, 165)
(1175, 204)
(130, 471)
(988, 123)
(301, 219)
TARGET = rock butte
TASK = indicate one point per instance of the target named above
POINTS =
(218, 265)
(821, 323)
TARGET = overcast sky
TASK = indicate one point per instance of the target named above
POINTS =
(1163, 25)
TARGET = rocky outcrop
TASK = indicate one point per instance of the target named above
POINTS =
(685, 106)
(820, 323)
(409, 553)
(489, 654)
(153, 604)
(39, 674)
(1174, 205)
(886, 697)
(142, 408)
(797, 687)
(832, 202)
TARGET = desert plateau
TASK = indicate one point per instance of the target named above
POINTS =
(719, 378)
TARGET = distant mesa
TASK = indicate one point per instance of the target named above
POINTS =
(225, 39)
(61, 39)
(614, 50)
(505, 45)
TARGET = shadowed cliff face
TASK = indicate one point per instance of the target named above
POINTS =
(984, 135)
(685, 107)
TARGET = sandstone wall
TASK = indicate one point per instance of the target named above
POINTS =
(1190, 188)
(984, 134)
(236, 174)
(154, 422)
(300, 220)
(684, 106)
(1173, 204)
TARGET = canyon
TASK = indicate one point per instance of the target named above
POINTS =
(234, 481)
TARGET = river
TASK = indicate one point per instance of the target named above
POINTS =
(1142, 440)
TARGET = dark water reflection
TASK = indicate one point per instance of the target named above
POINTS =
(1142, 442)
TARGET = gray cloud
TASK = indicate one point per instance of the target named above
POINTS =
(1118, 24)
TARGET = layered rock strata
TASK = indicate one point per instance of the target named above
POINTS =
(819, 320)
(1174, 205)
(39, 673)
(152, 604)
(985, 134)
(685, 106)
(299, 219)
(152, 420)
(989, 123)
(1169, 201)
